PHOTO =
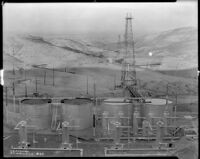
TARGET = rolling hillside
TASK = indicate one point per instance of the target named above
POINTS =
(174, 49)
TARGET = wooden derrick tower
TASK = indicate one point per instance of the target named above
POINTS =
(128, 74)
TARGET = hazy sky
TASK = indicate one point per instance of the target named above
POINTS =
(97, 17)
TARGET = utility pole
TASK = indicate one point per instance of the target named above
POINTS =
(6, 89)
(13, 64)
(13, 88)
(176, 100)
(44, 77)
(119, 45)
(36, 84)
(14, 95)
(87, 84)
(94, 91)
(13, 70)
(25, 90)
(53, 76)
(167, 93)
(25, 74)
(114, 81)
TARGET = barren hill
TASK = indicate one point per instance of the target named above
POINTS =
(176, 48)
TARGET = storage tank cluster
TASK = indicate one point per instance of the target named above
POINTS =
(42, 112)
(137, 115)
(45, 113)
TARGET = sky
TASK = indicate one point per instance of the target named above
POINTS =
(99, 18)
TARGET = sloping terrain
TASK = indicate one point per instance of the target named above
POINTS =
(61, 52)
(176, 48)
(186, 73)
(54, 52)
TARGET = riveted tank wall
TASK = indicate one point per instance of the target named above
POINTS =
(13, 106)
(137, 112)
(78, 112)
(116, 106)
(156, 108)
(36, 112)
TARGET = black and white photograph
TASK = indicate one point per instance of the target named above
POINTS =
(100, 79)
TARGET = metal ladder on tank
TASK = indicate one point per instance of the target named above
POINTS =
(54, 120)
(135, 93)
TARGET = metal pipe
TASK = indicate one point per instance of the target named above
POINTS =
(135, 122)
(166, 115)
(114, 81)
(94, 124)
(136, 155)
(142, 149)
(48, 149)
(13, 70)
(23, 134)
(138, 138)
(14, 88)
(105, 123)
(160, 125)
(14, 103)
(65, 133)
(117, 133)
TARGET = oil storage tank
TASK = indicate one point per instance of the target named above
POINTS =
(155, 108)
(78, 112)
(36, 112)
(116, 107)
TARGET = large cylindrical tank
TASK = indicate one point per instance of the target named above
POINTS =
(13, 106)
(78, 112)
(156, 108)
(118, 107)
(36, 112)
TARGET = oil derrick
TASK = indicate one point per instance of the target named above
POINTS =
(128, 74)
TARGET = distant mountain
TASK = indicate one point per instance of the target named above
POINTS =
(172, 42)
(176, 46)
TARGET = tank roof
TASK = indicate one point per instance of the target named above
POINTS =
(35, 101)
(78, 101)
(157, 101)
